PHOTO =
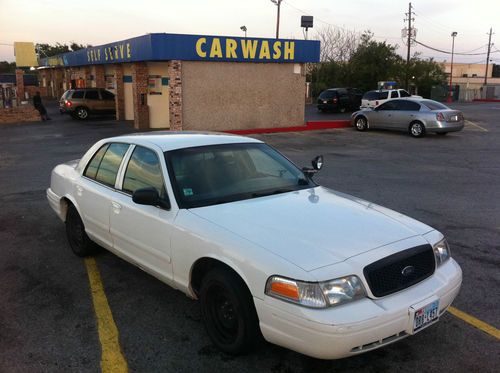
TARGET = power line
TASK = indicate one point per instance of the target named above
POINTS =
(446, 52)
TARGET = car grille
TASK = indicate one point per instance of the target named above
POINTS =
(400, 270)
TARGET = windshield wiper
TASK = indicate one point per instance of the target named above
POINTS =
(269, 193)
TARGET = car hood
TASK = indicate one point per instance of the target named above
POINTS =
(312, 228)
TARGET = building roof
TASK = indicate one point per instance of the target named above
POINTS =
(166, 47)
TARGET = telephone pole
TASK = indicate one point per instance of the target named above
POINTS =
(487, 59)
(410, 33)
(278, 4)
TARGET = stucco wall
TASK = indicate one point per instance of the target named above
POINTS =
(158, 103)
(231, 95)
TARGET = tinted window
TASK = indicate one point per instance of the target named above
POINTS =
(328, 94)
(94, 163)
(92, 95)
(433, 105)
(77, 94)
(66, 94)
(372, 95)
(389, 105)
(107, 95)
(383, 95)
(394, 94)
(407, 105)
(216, 174)
(108, 168)
(403, 93)
(143, 170)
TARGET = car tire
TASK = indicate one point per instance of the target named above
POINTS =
(228, 312)
(416, 129)
(80, 243)
(81, 113)
(361, 123)
(342, 109)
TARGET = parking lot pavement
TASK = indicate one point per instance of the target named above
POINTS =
(47, 319)
(313, 114)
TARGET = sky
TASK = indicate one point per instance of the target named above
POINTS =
(103, 21)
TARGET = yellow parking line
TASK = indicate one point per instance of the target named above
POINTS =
(476, 125)
(481, 325)
(112, 359)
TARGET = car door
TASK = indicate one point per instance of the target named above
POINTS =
(406, 112)
(92, 100)
(142, 232)
(94, 188)
(108, 101)
(381, 116)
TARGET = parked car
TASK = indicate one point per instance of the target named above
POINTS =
(231, 222)
(417, 116)
(82, 102)
(339, 99)
(372, 99)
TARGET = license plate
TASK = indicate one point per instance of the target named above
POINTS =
(426, 316)
(325, 101)
(454, 118)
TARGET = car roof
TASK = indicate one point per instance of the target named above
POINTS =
(171, 140)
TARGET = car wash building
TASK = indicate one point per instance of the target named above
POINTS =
(192, 82)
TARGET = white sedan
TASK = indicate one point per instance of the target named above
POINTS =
(231, 222)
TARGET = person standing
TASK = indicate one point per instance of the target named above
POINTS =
(37, 103)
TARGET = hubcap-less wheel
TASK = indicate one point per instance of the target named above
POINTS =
(75, 231)
(361, 124)
(417, 129)
(228, 312)
(82, 113)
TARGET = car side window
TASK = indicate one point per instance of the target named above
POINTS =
(107, 95)
(92, 95)
(389, 105)
(383, 95)
(93, 165)
(404, 93)
(110, 163)
(408, 105)
(143, 170)
(394, 94)
(77, 94)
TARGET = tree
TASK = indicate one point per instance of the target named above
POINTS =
(425, 74)
(49, 50)
(7, 67)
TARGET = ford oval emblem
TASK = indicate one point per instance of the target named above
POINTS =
(408, 271)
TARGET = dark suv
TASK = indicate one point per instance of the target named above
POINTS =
(81, 102)
(339, 99)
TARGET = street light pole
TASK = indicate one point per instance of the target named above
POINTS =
(278, 4)
(244, 29)
(450, 92)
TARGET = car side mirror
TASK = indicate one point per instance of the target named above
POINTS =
(149, 196)
(317, 164)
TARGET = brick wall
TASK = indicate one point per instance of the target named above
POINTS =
(20, 85)
(24, 113)
(175, 99)
(32, 89)
(119, 93)
(99, 76)
(140, 92)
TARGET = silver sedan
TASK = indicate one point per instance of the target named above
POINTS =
(415, 115)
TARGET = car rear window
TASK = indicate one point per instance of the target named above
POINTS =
(77, 94)
(383, 95)
(433, 105)
(66, 94)
(371, 95)
(403, 93)
(328, 94)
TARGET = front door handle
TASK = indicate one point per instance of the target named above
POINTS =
(79, 190)
(116, 207)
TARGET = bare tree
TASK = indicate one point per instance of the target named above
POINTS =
(337, 44)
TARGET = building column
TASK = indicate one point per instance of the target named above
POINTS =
(58, 80)
(100, 81)
(67, 77)
(49, 82)
(20, 86)
(86, 76)
(175, 98)
(140, 93)
(119, 93)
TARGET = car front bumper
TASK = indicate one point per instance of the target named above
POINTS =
(356, 327)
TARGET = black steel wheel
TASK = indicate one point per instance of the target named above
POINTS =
(78, 240)
(228, 312)
(82, 113)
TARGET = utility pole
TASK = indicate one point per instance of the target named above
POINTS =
(278, 4)
(487, 59)
(410, 34)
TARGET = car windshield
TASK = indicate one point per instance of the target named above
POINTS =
(434, 105)
(214, 174)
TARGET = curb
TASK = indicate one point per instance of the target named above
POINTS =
(309, 126)
(485, 100)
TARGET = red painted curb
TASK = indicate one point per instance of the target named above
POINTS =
(310, 126)
(485, 100)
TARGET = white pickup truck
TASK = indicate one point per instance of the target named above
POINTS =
(372, 99)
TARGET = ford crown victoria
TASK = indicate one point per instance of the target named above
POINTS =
(267, 252)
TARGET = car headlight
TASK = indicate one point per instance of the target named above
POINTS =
(441, 252)
(316, 294)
